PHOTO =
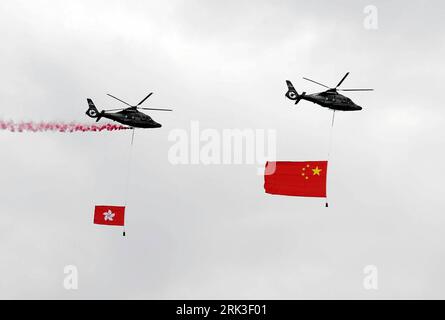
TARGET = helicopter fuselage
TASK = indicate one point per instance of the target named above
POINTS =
(331, 99)
(132, 118)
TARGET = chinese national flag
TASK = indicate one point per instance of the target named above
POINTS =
(109, 215)
(303, 179)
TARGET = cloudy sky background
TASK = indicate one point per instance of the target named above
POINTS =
(204, 232)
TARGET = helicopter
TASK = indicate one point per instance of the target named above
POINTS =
(328, 99)
(128, 116)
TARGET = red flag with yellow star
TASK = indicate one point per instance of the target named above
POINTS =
(291, 178)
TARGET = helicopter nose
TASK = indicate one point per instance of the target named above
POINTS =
(359, 108)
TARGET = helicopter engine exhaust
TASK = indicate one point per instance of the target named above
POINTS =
(58, 127)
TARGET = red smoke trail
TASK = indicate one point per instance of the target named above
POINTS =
(58, 126)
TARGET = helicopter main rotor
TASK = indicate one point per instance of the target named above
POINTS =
(336, 87)
(135, 107)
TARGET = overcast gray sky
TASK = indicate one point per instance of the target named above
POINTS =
(204, 232)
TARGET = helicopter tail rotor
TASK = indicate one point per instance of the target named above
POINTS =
(92, 111)
(291, 93)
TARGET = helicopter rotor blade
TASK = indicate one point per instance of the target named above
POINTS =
(119, 100)
(355, 89)
(115, 109)
(343, 79)
(156, 109)
(144, 99)
(316, 82)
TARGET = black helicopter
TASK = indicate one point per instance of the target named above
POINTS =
(129, 116)
(329, 99)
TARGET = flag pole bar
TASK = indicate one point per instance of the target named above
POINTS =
(331, 138)
(128, 173)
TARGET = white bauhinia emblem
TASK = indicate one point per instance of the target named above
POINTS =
(109, 215)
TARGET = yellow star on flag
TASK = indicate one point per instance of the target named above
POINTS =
(316, 171)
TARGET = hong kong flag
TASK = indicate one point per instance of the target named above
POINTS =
(290, 178)
(109, 215)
